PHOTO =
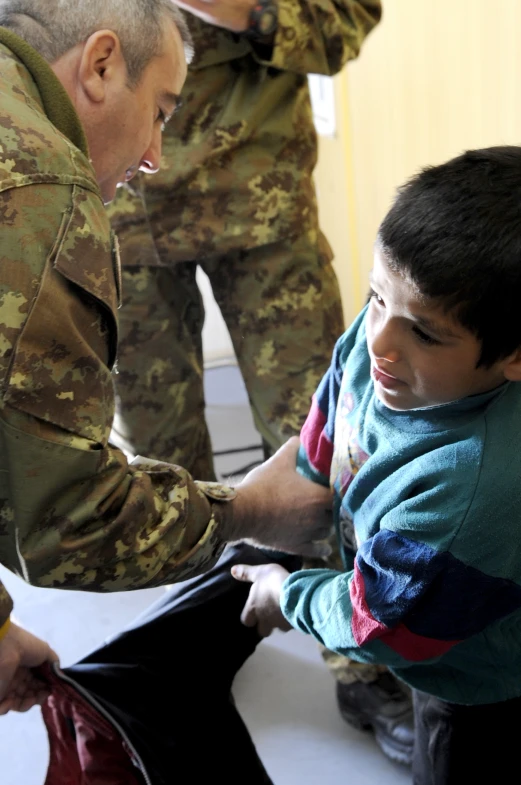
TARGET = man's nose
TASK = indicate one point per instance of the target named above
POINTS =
(151, 160)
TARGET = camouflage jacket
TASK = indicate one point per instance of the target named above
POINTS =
(73, 513)
(238, 159)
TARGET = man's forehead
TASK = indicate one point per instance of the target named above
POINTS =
(173, 49)
(168, 71)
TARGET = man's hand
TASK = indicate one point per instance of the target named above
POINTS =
(231, 14)
(20, 689)
(262, 609)
(278, 508)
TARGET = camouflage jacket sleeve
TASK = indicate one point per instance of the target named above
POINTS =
(320, 36)
(73, 513)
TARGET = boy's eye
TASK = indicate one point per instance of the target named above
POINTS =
(424, 337)
(376, 297)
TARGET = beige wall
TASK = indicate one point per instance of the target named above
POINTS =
(433, 79)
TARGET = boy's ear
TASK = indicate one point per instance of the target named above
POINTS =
(512, 369)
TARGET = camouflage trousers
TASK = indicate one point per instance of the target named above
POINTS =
(281, 304)
(282, 307)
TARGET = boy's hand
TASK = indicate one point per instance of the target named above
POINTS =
(20, 689)
(262, 608)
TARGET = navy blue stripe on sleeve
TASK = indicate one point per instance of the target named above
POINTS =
(401, 581)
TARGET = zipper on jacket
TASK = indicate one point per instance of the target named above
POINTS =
(101, 709)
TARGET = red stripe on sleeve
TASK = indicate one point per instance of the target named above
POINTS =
(412, 647)
(318, 447)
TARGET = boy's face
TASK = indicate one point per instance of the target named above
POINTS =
(420, 356)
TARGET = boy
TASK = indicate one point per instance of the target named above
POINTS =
(416, 427)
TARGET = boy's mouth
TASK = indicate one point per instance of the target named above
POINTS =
(387, 381)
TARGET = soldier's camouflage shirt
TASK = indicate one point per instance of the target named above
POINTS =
(238, 159)
(73, 513)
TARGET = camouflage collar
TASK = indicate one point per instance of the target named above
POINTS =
(56, 103)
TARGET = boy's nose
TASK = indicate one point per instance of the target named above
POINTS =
(384, 345)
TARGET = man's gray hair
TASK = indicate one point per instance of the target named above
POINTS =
(52, 27)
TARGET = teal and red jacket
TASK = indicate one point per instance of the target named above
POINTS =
(427, 507)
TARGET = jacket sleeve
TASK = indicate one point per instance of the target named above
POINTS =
(317, 436)
(320, 36)
(411, 597)
(73, 513)
(318, 432)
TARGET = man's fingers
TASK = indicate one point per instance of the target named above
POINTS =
(21, 704)
(6, 706)
(28, 701)
(24, 697)
(38, 653)
(7, 672)
(319, 549)
(316, 550)
(21, 688)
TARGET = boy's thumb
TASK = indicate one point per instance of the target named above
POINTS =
(243, 572)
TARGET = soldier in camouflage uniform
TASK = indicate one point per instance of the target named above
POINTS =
(235, 195)
(73, 513)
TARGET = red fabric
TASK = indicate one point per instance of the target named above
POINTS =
(97, 756)
(318, 446)
(407, 644)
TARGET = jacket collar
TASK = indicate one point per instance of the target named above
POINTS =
(56, 103)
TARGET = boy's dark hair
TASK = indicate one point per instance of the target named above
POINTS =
(455, 230)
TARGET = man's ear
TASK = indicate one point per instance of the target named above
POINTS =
(101, 63)
(512, 368)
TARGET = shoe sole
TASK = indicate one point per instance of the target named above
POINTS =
(396, 753)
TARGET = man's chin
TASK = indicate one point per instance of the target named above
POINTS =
(108, 194)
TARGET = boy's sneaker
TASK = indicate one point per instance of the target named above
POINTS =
(384, 707)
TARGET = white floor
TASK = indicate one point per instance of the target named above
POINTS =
(284, 692)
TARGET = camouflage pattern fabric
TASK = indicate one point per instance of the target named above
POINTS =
(235, 194)
(238, 159)
(282, 308)
(73, 513)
